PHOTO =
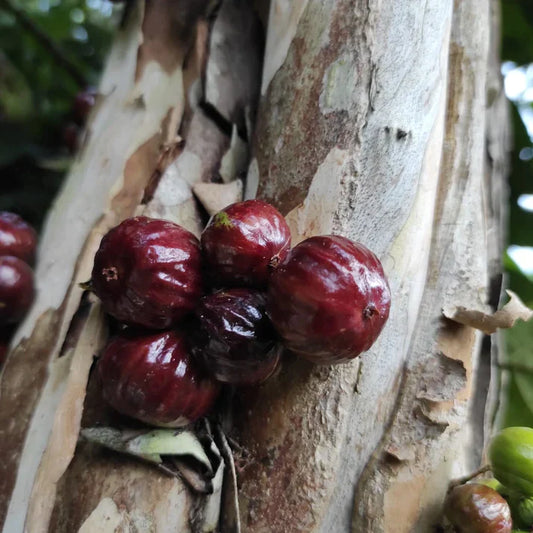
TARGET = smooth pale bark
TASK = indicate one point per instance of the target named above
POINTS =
(372, 124)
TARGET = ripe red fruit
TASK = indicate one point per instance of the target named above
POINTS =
(244, 241)
(329, 299)
(476, 508)
(3, 351)
(17, 237)
(83, 103)
(16, 289)
(152, 378)
(147, 272)
(6, 333)
(71, 137)
(234, 338)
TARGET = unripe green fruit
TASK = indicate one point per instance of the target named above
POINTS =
(493, 483)
(522, 511)
(511, 459)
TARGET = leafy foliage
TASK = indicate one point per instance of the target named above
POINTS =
(517, 25)
(37, 91)
(517, 46)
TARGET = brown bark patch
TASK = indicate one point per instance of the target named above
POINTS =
(168, 31)
(137, 174)
(23, 378)
(289, 151)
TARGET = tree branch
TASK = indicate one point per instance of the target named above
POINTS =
(31, 27)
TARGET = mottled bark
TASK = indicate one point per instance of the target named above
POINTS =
(372, 124)
(375, 121)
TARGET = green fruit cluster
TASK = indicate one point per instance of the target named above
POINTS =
(510, 455)
(498, 504)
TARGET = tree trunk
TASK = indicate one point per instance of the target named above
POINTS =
(376, 122)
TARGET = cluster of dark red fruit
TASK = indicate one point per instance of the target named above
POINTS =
(226, 306)
(81, 107)
(18, 242)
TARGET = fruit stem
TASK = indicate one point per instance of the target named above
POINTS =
(110, 274)
(369, 311)
(86, 285)
(464, 479)
(274, 262)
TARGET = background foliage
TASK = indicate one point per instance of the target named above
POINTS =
(37, 92)
(517, 57)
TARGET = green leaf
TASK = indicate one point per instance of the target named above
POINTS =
(515, 412)
(519, 340)
(517, 28)
(149, 445)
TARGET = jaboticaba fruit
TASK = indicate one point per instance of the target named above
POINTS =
(234, 338)
(83, 103)
(17, 237)
(16, 289)
(329, 299)
(521, 511)
(71, 136)
(151, 377)
(244, 242)
(147, 272)
(511, 459)
(476, 508)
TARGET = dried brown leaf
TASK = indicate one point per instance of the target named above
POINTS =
(217, 196)
(504, 318)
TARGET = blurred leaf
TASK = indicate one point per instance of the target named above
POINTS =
(15, 95)
(520, 282)
(519, 344)
(36, 95)
(515, 411)
(14, 144)
(517, 21)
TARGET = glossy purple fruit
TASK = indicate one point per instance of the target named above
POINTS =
(83, 103)
(152, 378)
(476, 508)
(147, 272)
(16, 289)
(71, 136)
(17, 237)
(329, 299)
(4, 346)
(234, 338)
(243, 242)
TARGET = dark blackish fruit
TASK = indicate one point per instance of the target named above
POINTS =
(71, 137)
(476, 508)
(329, 299)
(244, 242)
(147, 272)
(6, 333)
(16, 289)
(4, 346)
(152, 378)
(17, 237)
(83, 103)
(234, 338)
